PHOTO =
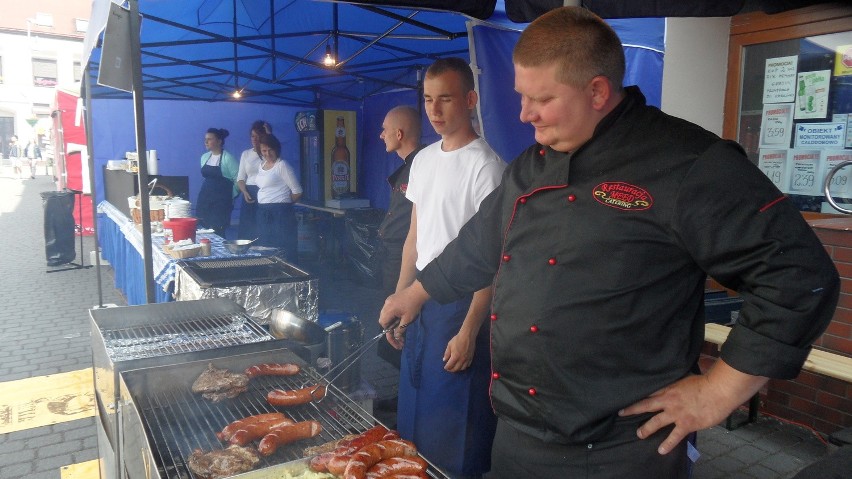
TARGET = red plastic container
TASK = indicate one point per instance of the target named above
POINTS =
(182, 228)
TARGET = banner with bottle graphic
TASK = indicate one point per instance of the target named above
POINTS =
(340, 153)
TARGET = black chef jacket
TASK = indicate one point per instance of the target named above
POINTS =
(394, 227)
(601, 258)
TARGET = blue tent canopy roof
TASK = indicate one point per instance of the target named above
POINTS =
(207, 49)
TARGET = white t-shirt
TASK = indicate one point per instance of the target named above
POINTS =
(447, 188)
(277, 184)
(249, 164)
(214, 160)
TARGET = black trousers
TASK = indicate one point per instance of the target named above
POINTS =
(623, 455)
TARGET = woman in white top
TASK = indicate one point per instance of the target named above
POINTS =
(278, 190)
(249, 164)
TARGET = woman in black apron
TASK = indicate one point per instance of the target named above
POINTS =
(219, 169)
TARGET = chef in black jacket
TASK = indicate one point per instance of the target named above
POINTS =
(601, 236)
(401, 134)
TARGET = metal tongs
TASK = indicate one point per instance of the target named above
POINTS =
(335, 372)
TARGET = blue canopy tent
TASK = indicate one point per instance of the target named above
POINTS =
(195, 54)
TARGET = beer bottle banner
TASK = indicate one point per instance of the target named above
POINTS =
(340, 169)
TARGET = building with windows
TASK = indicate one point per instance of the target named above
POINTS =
(41, 46)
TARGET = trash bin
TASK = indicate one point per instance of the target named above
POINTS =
(363, 245)
(58, 227)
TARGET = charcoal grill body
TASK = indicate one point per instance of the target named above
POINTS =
(150, 335)
(259, 285)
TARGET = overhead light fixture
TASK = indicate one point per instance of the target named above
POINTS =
(329, 59)
(237, 94)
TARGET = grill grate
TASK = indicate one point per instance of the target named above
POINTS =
(231, 263)
(179, 421)
(199, 334)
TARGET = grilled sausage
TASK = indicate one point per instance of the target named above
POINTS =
(280, 397)
(371, 454)
(286, 434)
(319, 463)
(421, 475)
(257, 430)
(235, 426)
(273, 369)
(388, 468)
(337, 464)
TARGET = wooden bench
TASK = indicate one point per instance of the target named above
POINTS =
(818, 361)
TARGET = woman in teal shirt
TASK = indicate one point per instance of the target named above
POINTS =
(219, 169)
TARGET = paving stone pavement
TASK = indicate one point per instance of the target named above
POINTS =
(44, 330)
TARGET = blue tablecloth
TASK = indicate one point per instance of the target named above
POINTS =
(121, 245)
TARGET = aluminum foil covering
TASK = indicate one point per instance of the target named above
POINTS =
(299, 297)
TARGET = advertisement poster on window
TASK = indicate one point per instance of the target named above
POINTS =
(841, 182)
(804, 172)
(779, 84)
(773, 164)
(812, 94)
(775, 126)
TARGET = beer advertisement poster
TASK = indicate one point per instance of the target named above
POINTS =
(340, 157)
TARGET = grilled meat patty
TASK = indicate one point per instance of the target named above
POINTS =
(222, 462)
(218, 384)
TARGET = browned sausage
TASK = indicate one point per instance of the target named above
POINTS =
(371, 454)
(273, 369)
(319, 463)
(286, 434)
(397, 465)
(337, 464)
(256, 430)
(235, 426)
(421, 475)
(294, 397)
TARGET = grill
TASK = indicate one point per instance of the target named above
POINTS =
(257, 284)
(164, 421)
(157, 334)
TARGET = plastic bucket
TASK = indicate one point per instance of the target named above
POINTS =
(182, 228)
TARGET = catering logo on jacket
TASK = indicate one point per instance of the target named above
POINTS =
(403, 188)
(623, 196)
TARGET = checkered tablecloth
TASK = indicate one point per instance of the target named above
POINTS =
(163, 263)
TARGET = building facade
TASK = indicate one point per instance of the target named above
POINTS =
(41, 46)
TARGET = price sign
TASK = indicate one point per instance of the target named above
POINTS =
(804, 172)
(841, 182)
(773, 164)
(775, 125)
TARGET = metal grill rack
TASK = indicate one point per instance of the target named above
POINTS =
(168, 421)
(215, 331)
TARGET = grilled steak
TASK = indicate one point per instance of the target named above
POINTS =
(218, 384)
(222, 462)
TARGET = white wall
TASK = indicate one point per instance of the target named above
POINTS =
(695, 69)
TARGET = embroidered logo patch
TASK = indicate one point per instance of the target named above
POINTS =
(403, 188)
(623, 196)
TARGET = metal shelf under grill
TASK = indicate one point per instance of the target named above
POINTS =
(176, 421)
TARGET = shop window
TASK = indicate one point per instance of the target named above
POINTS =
(793, 90)
(44, 72)
(78, 71)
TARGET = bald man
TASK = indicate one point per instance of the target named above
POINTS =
(401, 134)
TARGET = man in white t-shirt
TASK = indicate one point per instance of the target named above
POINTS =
(445, 372)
